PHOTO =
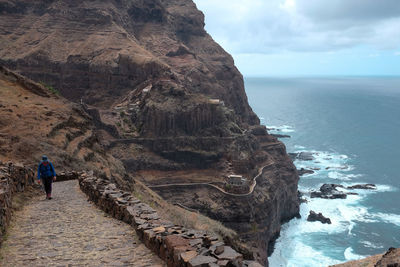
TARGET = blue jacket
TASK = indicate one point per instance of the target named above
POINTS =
(45, 169)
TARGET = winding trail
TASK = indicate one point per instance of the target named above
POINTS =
(70, 231)
(252, 187)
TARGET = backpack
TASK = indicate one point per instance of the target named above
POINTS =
(45, 169)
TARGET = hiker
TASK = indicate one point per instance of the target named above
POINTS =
(47, 174)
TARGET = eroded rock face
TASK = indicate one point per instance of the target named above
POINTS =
(149, 68)
(257, 217)
(162, 95)
(100, 50)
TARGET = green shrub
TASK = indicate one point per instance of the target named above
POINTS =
(50, 88)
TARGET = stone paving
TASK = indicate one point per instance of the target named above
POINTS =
(69, 231)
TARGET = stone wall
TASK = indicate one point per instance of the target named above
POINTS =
(67, 175)
(13, 178)
(176, 245)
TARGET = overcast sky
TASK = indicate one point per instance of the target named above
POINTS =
(307, 37)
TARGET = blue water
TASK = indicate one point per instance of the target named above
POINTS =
(353, 127)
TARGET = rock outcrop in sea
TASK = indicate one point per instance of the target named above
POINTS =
(313, 217)
(155, 92)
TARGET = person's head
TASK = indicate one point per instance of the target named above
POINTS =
(44, 158)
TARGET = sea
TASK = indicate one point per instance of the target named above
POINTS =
(352, 127)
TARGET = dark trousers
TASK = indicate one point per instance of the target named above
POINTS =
(47, 182)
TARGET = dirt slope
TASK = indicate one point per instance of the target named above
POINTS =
(34, 121)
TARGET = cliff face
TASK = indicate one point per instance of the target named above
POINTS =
(99, 50)
(163, 97)
(257, 216)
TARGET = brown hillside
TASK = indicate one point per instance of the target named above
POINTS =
(35, 121)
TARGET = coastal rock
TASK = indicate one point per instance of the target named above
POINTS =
(259, 130)
(363, 186)
(313, 217)
(280, 135)
(329, 191)
(303, 171)
(303, 156)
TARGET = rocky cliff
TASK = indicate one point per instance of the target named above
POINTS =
(162, 97)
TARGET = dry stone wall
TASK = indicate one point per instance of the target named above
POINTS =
(13, 179)
(174, 244)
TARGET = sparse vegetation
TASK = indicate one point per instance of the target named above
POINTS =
(254, 227)
(50, 88)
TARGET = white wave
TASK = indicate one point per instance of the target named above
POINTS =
(282, 128)
(291, 248)
(341, 176)
(379, 188)
(385, 188)
(332, 164)
(329, 210)
(292, 253)
(344, 214)
(352, 214)
(350, 256)
(388, 218)
(371, 245)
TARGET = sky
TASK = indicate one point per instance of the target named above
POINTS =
(307, 37)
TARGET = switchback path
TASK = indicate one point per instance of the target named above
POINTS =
(251, 190)
(69, 231)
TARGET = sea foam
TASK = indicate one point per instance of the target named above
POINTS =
(350, 256)
(291, 247)
(281, 128)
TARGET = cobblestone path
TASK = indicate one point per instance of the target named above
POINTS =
(69, 231)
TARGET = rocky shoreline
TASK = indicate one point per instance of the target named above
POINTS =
(330, 191)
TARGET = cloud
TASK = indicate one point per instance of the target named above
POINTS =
(274, 26)
(355, 11)
(397, 53)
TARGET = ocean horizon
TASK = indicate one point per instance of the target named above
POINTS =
(351, 126)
